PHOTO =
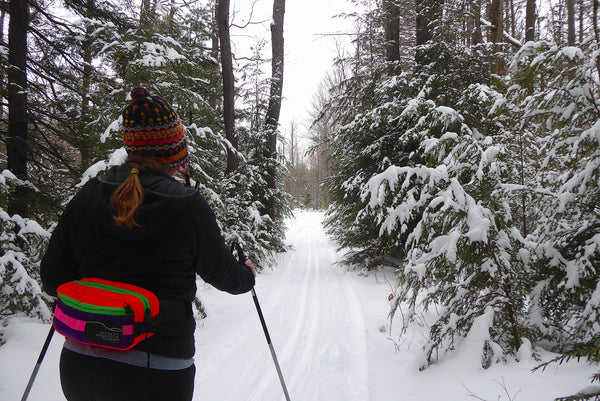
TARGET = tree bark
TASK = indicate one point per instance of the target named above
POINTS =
(530, 19)
(556, 21)
(3, 73)
(570, 22)
(86, 82)
(391, 27)
(580, 3)
(513, 22)
(596, 30)
(228, 83)
(274, 107)
(496, 33)
(476, 37)
(428, 12)
(214, 51)
(423, 34)
(17, 138)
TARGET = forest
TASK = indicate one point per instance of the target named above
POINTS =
(455, 141)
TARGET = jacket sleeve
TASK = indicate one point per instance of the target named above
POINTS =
(216, 264)
(59, 264)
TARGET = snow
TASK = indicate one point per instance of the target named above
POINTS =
(115, 126)
(469, 350)
(7, 175)
(572, 53)
(117, 158)
(331, 332)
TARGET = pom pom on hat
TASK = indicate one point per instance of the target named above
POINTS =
(138, 92)
(152, 128)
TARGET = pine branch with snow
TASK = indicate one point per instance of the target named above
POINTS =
(22, 242)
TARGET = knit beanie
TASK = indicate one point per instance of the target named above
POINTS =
(152, 128)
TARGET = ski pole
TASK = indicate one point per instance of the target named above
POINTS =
(38, 364)
(264, 326)
(242, 258)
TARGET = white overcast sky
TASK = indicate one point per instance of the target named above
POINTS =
(308, 53)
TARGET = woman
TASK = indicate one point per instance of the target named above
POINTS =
(139, 225)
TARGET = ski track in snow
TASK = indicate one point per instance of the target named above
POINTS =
(317, 328)
(330, 332)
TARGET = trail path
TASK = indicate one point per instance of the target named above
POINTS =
(316, 324)
(330, 330)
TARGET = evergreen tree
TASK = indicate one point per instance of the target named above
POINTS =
(563, 114)
(22, 242)
(82, 70)
(480, 188)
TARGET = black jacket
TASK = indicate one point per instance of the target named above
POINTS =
(177, 236)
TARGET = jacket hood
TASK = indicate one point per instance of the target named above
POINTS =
(164, 200)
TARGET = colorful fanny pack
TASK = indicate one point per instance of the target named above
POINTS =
(105, 313)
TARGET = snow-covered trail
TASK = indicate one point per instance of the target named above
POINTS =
(330, 330)
(316, 324)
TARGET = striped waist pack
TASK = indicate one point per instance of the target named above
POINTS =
(105, 313)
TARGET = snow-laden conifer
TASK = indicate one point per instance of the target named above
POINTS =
(22, 242)
(558, 91)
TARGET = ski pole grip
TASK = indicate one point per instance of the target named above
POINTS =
(240, 252)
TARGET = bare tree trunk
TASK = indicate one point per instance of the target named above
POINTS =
(496, 34)
(2, 73)
(423, 34)
(530, 19)
(596, 30)
(214, 51)
(391, 27)
(476, 37)
(293, 155)
(580, 21)
(17, 138)
(428, 11)
(87, 62)
(228, 88)
(86, 80)
(557, 20)
(513, 22)
(570, 22)
(274, 107)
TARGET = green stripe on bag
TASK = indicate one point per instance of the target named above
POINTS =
(117, 290)
(104, 310)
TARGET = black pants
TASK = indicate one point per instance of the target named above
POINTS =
(87, 378)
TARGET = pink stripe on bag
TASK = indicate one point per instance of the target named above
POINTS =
(75, 324)
(128, 330)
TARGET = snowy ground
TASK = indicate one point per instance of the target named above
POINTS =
(328, 328)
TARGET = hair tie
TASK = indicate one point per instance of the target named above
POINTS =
(134, 171)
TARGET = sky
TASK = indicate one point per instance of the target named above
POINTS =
(308, 54)
(309, 51)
